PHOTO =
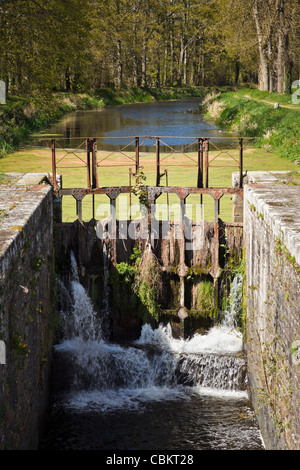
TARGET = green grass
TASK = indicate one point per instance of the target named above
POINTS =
(245, 113)
(35, 160)
(115, 96)
(21, 117)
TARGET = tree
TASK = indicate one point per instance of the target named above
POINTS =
(42, 41)
(274, 21)
(79, 45)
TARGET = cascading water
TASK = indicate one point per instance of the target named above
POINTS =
(148, 377)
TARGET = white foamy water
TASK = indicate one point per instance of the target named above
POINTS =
(157, 367)
(219, 340)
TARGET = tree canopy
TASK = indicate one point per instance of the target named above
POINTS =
(83, 45)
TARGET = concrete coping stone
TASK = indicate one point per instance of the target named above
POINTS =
(279, 207)
(260, 177)
(31, 179)
(18, 202)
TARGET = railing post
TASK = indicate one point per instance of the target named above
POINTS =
(137, 158)
(94, 164)
(241, 163)
(206, 161)
(200, 163)
(157, 161)
(113, 230)
(88, 162)
(130, 174)
(53, 164)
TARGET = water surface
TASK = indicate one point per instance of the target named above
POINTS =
(172, 119)
(157, 393)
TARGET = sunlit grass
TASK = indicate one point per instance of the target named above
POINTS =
(182, 171)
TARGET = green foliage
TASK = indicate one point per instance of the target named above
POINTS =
(148, 283)
(44, 43)
(139, 188)
(37, 262)
(126, 271)
(244, 113)
(205, 296)
(143, 276)
(4, 179)
(78, 45)
(135, 256)
(21, 117)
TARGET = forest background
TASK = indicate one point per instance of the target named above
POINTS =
(85, 45)
(58, 56)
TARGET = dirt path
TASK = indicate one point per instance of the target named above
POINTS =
(272, 103)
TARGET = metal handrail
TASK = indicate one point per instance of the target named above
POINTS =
(92, 164)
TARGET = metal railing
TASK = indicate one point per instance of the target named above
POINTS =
(87, 155)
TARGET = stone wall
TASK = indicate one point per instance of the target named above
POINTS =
(272, 250)
(26, 307)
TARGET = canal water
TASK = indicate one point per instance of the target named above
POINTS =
(157, 393)
(178, 121)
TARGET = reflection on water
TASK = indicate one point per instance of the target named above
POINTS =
(172, 118)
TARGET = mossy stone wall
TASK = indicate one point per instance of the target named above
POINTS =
(272, 249)
(27, 316)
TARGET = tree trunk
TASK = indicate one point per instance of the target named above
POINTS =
(157, 69)
(68, 80)
(263, 58)
(237, 71)
(165, 67)
(282, 47)
(135, 56)
(119, 62)
(185, 67)
(181, 61)
(172, 58)
(144, 64)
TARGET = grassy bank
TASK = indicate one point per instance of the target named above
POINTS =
(251, 113)
(20, 116)
(114, 96)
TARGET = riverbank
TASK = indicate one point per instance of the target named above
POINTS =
(22, 116)
(246, 112)
(253, 113)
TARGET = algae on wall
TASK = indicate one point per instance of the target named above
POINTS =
(149, 293)
(272, 296)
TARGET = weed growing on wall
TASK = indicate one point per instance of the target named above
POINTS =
(139, 188)
(143, 275)
(148, 282)
(276, 395)
(205, 296)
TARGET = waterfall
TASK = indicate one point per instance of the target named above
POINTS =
(235, 302)
(155, 367)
